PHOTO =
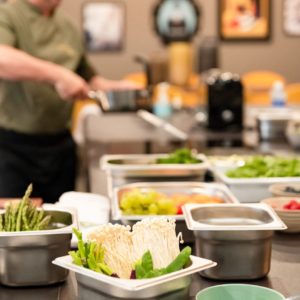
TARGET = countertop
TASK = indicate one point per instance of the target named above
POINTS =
(284, 277)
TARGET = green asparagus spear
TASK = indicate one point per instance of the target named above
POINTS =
(25, 226)
(24, 201)
(24, 216)
(43, 224)
(1, 222)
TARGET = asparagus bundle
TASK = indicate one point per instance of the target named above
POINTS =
(24, 216)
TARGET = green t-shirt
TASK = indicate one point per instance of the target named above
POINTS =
(35, 107)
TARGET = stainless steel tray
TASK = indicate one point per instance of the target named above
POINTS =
(92, 284)
(211, 189)
(25, 257)
(234, 235)
(144, 166)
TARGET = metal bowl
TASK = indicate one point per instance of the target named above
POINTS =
(25, 257)
(234, 235)
(272, 126)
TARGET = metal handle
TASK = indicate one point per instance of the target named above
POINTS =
(159, 123)
(101, 98)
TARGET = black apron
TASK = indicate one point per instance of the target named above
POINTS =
(47, 161)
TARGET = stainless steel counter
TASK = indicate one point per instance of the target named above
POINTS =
(283, 277)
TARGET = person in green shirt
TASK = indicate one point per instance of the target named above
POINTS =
(43, 68)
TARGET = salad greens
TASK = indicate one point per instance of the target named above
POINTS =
(89, 255)
(180, 156)
(144, 267)
(267, 166)
(24, 216)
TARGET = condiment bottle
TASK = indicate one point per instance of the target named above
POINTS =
(162, 107)
(278, 94)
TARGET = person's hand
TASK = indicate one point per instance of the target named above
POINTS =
(100, 83)
(69, 85)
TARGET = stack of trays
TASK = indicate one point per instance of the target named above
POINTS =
(125, 169)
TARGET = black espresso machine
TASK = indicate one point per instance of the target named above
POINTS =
(224, 102)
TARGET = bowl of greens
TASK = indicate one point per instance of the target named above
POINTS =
(250, 182)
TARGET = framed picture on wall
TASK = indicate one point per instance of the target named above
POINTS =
(244, 19)
(104, 25)
(291, 17)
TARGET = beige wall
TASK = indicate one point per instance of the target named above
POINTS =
(280, 54)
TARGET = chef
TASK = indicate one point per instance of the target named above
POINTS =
(42, 70)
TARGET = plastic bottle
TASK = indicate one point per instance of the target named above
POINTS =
(162, 107)
(278, 94)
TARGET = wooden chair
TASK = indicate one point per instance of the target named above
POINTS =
(293, 93)
(138, 77)
(78, 106)
(257, 86)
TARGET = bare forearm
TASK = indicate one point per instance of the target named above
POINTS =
(17, 65)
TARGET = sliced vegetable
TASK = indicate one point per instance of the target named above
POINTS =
(292, 205)
(89, 255)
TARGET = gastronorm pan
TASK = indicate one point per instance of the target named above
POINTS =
(92, 284)
(251, 189)
(131, 168)
(170, 188)
(144, 165)
(25, 257)
(237, 236)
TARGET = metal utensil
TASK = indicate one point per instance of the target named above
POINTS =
(122, 100)
(162, 124)
(101, 98)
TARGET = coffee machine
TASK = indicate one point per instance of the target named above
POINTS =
(225, 101)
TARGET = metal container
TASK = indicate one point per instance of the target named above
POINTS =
(169, 188)
(122, 100)
(272, 126)
(92, 284)
(25, 257)
(237, 237)
(251, 189)
(124, 169)
(293, 132)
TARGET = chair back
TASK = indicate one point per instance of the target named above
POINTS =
(257, 86)
(293, 93)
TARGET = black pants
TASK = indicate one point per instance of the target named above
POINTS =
(47, 161)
